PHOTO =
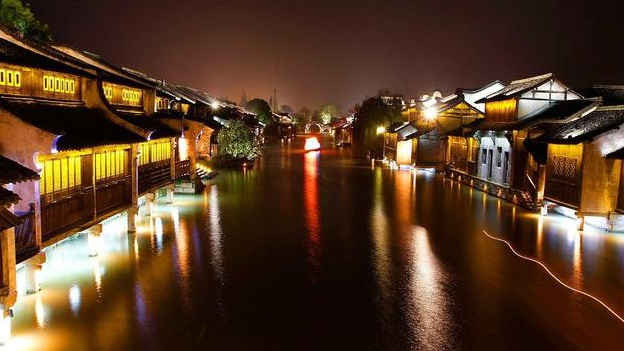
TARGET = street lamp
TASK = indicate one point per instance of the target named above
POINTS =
(214, 105)
(381, 130)
(430, 113)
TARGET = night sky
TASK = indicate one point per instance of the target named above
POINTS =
(340, 51)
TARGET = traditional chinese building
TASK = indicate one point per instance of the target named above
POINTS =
(584, 175)
(16, 231)
(435, 136)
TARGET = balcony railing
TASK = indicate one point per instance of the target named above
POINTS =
(25, 244)
(182, 168)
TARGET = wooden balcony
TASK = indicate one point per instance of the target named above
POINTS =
(62, 214)
(25, 244)
(182, 169)
(154, 175)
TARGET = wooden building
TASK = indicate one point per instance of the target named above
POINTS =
(16, 231)
(439, 122)
(514, 114)
(584, 167)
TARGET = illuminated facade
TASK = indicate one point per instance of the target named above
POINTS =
(584, 168)
(98, 138)
(514, 114)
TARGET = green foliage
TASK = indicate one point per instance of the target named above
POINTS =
(329, 113)
(262, 109)
(18, 16)
(303, 116)
(373, 113)
(237, 141)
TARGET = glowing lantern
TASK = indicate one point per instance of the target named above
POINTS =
(312, 144)
(183, 148)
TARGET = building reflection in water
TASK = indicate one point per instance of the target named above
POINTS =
(182, 256)
(74, 299)
(39, 312)
(312, 215)
(382, 254)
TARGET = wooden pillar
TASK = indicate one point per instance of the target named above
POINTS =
(174, 156)
(7, 245)
(580, 224)
(149, 203)
(132, 214)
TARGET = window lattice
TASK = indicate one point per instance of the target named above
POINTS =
(564, 167)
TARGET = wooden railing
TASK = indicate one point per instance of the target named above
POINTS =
(25, 244)
(182, 168)
(154, 175)
(529, 188)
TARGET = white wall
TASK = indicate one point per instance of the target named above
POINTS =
(470, 98)
(552, 90)
(488, 145)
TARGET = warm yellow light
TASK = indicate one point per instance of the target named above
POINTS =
(214, 105)
(404, 152)
(430, 113)
(183, 148)
(381, 130)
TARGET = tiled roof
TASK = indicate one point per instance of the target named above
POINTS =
(19, 55)
(79, 127)
(617, 154)
(7, 219)
(518, 87)
(476, 90)
(406, 132)
(13, 172)
(555, 112)
(158, 128)
(8, 198)
(611, 94)
(585, 128)
(394, 127)
(109, 71)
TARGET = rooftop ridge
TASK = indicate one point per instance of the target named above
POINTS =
(540, 77)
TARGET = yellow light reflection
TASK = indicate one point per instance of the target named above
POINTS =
(430, 320)
(39, 312)
(310, 195)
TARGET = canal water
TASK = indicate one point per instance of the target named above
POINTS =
(316, 251)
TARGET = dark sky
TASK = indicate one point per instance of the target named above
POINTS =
(339, 51)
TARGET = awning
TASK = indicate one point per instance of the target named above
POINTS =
(7, 219)
(158, 128)
(78, 126)
(13, 172)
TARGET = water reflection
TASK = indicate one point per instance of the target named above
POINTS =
(429, 314)
(382, 254)
(39, 312)
(215, 233)
(312, 212)
(74, 298)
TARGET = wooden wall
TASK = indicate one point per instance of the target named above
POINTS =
(501, 111)
(563, 174)
(32, 84)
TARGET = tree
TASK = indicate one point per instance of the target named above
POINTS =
(18, 16)
(262, 109)
(286, 109)
(328, 113)
(237, 141)
(303, 116)
(372, 114)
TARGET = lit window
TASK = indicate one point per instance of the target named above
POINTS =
(2, 77)
(9, 80)
(18, 79)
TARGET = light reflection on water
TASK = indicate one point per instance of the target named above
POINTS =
(312, 212)
(395, 261)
